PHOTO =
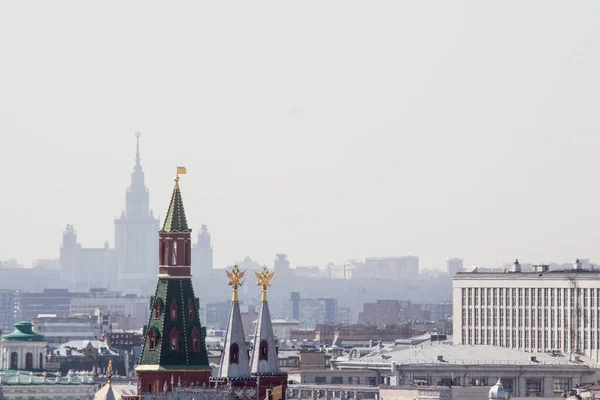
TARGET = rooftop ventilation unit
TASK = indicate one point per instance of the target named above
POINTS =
(541, 268)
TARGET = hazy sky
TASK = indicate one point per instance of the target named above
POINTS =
(326, 130)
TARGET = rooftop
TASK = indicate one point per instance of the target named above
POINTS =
(557, 274)
(77, 347)
(13, 377)
(443, 353)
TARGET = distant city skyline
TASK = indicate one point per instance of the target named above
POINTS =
(452, 129)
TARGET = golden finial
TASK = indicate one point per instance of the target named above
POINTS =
(264, 277)
(109, 372)
(236, 279)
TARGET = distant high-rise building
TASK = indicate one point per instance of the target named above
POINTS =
(330, 309)
(382, 313)
(281, 265)
(216, 314)
(202, 253)
(454, 265)
(50, 301)
(295, 305)
(84, 268)
(9, 308)
(136, 234)
(69, 257)
(389, 268)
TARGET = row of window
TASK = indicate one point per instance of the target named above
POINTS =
(173, 310)
(14, 360)
(530, 296)
(352, 380)
(550, 340)
(154, 338)
(487, 317)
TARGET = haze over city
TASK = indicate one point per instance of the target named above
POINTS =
(436, 129)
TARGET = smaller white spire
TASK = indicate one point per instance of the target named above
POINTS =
(497, 391)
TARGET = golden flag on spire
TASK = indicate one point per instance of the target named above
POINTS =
(181, 171)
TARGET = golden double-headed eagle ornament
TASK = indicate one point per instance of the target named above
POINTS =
(264, 278)
(236, 279)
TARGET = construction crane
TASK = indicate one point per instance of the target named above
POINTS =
(576, 313)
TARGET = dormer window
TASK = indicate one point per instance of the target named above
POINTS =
(234, 354)
(196, 340)
(151, 340)
(191, 309)
(174, 340)
(263, 350)
(157, 309)
(173, 311)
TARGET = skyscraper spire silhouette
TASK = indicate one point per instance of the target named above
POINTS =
(136, 233)
(137, 153)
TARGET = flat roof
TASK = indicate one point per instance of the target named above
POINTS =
(558, 274)
(451, 354)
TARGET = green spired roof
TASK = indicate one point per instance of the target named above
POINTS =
(175, 220)
(178, 295)
(24, 332)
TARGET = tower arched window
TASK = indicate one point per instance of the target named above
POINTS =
(29, 361)
(157, 307)
(152, 339)
(191, 309)
(173, 310)
(174, 255)
(14, 360)
(234, 354)
(263, 350)
(174, 340)
(41, 366)
(196, 340)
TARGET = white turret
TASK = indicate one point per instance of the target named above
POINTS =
(264, 354)
(234, 359)
(497, 392)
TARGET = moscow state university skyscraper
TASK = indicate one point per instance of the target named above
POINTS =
(136, 235)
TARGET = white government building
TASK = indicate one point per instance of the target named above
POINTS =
(541, 311)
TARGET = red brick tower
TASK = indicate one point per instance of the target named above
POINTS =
(174, 350)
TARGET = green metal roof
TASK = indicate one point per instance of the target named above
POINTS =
(24, 333)
(180, 293)
(175, 220)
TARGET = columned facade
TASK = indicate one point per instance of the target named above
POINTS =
(540, 311)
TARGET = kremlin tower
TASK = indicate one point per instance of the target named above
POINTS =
(174, 356)
(264, 364)
(261, 375)
(173, 350)
(234, 359)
